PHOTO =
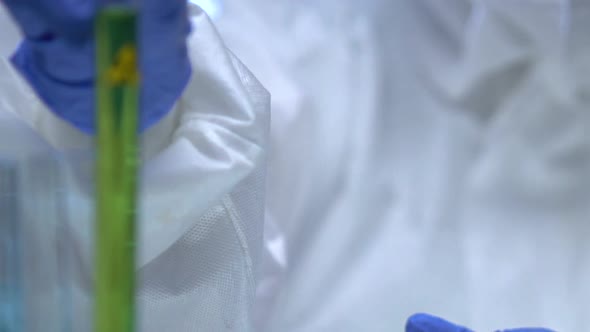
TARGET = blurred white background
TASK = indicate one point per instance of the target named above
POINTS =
(428, 156)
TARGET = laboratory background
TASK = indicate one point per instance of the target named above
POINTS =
(294, 165)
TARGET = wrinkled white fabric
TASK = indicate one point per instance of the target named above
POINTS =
(527, 194)
(318, 88)
(201, 192)
(437, 159)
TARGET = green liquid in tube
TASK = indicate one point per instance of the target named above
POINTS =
(117, 102)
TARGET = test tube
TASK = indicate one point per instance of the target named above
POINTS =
(117, 112)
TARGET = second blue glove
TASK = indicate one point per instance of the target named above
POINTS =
(429, 323)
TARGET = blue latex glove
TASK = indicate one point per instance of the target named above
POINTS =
(428, 323)
(57, 55)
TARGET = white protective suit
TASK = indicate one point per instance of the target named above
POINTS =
(314, 134)
(432, 156)
(202, 192)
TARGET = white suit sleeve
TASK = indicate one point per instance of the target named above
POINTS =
(218, 142)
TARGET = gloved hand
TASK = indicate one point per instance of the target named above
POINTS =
(428, 323)
(57, 55)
